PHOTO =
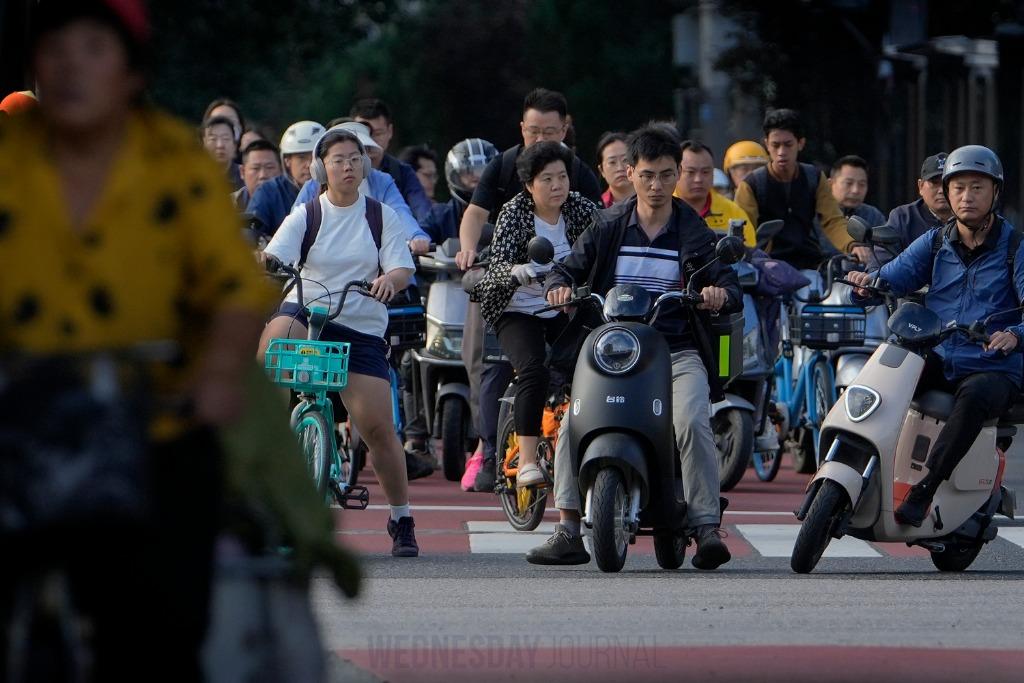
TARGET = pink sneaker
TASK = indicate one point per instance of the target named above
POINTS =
(472, 467)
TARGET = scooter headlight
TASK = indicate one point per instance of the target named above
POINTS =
(443, 341)
(617, 351)
(861, 402)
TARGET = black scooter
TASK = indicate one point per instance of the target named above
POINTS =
(620, 434)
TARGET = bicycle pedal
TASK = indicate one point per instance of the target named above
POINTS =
(356, 498)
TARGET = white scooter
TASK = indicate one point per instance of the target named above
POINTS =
(877, 438)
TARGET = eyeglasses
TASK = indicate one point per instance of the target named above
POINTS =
(353, 161)
(213, 139)
(665, 177)
(550, 131)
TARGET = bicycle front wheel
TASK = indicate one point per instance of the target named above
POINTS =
(315, 439)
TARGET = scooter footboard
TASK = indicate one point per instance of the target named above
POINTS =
(618, 450)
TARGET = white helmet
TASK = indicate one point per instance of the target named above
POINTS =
(300, 137)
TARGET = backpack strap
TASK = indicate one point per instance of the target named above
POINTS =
(375, 219)
(813, 177)
(314, 217)
(508, 169)
(758, 182)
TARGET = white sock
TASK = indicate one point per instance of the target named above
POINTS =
(399, 511)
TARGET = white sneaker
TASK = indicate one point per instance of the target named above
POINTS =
(529, 475)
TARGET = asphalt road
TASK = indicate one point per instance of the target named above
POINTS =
(471, 609)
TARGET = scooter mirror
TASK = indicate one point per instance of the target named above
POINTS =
(858, 229)
(883, 234)
(736, 227)
(540, 250)
(450, 247)
(767, 231)
(730, 250)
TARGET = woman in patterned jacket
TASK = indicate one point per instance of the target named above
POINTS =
(510, 292)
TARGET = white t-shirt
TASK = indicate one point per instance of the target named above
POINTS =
(343, 251)
(528, 298)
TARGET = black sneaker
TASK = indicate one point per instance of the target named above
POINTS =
(711, 551)
(418, 465)
(561, 548)
(914, 507)
(404, 537)
(485, 478)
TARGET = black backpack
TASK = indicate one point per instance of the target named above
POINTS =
(758, 180)
(315, 216)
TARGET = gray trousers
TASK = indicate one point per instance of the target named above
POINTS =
(691, 417)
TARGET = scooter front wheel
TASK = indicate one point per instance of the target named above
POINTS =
(734, 441)
(669, 549)
(816, 530)
(609, 512)
(766, 464)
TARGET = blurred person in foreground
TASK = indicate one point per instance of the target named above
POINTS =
(116, 229)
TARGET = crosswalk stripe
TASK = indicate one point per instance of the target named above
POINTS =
(777, 540)
(546, 528)
(504, 543)
(1013, 534)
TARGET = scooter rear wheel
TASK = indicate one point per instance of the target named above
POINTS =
(734, 441)
(609, 510)
(524, 508)
(956, 558)
(453, 438)
(816, 530)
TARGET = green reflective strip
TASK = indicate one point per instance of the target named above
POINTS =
(723, 355)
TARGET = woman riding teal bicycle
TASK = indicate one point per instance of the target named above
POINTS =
(345, 248)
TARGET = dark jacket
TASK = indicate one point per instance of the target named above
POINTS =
(512, 233)
(443, 220)
(910, 221)
(409, 185)
(593, 257)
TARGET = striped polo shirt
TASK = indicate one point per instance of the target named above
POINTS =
(654, 265)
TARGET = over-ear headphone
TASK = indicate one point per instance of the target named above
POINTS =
(317, 169)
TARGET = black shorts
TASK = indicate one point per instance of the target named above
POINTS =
(367, 354)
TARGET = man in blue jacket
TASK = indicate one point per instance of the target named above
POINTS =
(965, 265)
(272, 201)
(929, 211)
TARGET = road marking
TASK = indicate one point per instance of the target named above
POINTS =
(777, 540)
(496, 508)
(546, 528)
(513, 543)
(1013, 534)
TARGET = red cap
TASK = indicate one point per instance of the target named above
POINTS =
(133, 16)
(18, 102)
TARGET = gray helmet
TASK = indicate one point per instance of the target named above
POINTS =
(467, 158)
(973, 159)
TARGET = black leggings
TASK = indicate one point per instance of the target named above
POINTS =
(523, 337)
(979, 397)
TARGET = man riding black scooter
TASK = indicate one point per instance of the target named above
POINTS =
(656, 242)
(974, 269)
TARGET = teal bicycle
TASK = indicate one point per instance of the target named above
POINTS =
(315, 370)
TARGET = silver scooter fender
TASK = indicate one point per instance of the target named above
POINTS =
(732, 401)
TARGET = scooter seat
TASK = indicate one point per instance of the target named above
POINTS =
(934, 404)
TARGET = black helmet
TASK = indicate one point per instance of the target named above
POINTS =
(972, 159)
(466, 161)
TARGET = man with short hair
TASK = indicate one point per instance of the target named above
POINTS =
(696, 176)
(657, 242)
(219, 138)
(544, 118)
(795, 193)
(975, 270)
(930, 210)
(260, 163)
(849, 184)
(376, 115)
(422, 160)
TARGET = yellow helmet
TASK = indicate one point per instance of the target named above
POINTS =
(744, 152)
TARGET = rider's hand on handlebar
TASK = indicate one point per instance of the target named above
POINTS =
(270, 262)
(860, 279)
(559, 295)
(863, 255)
(1002, 341)
(714, 298)
(465, 258)
(419, 246)
(383, 289)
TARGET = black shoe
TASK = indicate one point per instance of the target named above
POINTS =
(418, 465)
(914, 507)
(485, 478)
(404, 537)
(561, 548)
(711, 552)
